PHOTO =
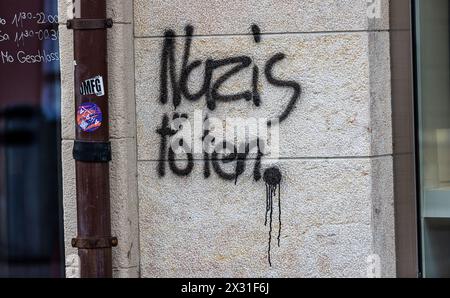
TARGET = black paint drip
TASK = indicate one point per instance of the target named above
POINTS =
(272, 177)
(256, 33)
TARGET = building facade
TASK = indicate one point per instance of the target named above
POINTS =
(324, 66)
(267, 138)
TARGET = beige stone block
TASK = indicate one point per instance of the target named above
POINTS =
(220, 17)
(343, 110)
(196, 227)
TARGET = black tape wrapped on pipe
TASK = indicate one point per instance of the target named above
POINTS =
(92, 151)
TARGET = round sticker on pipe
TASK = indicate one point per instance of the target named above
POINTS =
(89, 117)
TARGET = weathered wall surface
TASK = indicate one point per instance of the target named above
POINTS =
(322, 65)
(197, 219)
(124, 214)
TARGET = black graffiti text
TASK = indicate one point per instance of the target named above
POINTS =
(223, 153)
(178, 82)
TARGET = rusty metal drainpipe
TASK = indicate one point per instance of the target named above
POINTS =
(92, 148)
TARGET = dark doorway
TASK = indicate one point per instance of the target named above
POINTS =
(31, 240)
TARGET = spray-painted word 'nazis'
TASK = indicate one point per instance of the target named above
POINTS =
(211, 88)
(216, 73)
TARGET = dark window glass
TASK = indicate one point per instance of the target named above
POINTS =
(30, 193)
(433, 107)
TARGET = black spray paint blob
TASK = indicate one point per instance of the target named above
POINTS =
(272, 178)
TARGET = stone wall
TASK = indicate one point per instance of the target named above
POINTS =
(335, 144)
(323, 66)
(124, 213)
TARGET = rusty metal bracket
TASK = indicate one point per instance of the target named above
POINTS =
(89, 24)
(94, 242)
